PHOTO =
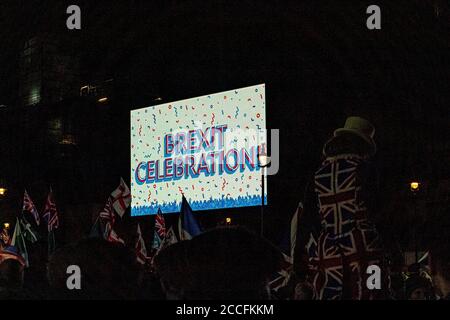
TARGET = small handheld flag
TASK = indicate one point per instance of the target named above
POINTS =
(160, 230)
(22, 232)
(50, 213)
(141, 251)
(121, 198)
(28, 206)
(188, 226)
(283, 276)
(11, 252)
(170, 238)
(107, 220)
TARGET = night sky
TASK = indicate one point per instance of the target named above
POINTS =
(318, 60)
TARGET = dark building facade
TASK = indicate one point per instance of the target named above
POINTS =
(320, 65)
(46, 75)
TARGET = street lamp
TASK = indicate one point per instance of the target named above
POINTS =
(4, 235)
(3, 188)
(263, 162)
(414, 186)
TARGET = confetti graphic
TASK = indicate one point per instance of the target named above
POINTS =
(162, 135)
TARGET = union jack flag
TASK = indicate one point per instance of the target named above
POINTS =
(121, 198)
(348, 242)
(169, 239)
(160, 230)
(5, 238)
(28, 206)
(108, 219)
(50, 213)
(284, 274)
(107, 212)
(338, 194)
(338, 266)
(12, 253)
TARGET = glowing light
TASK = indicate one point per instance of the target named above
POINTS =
(414, 186)
(104, 99)
(228, 220)
(6, 225)
(68, 139)
(263, 160)
(2, 191)
(34, 96)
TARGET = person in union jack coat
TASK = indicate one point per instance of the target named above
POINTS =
(341, 240)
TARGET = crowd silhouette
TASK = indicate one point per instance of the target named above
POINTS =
(336, 240)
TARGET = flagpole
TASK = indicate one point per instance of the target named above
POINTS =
(262, 202)
(263, 162)
(414, 187)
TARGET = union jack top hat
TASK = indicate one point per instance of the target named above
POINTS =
(357, 126)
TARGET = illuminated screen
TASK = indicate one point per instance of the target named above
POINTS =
(205, 148)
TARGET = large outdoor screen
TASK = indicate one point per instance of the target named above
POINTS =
(204, 148)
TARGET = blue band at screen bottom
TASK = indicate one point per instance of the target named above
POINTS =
(224, 203)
